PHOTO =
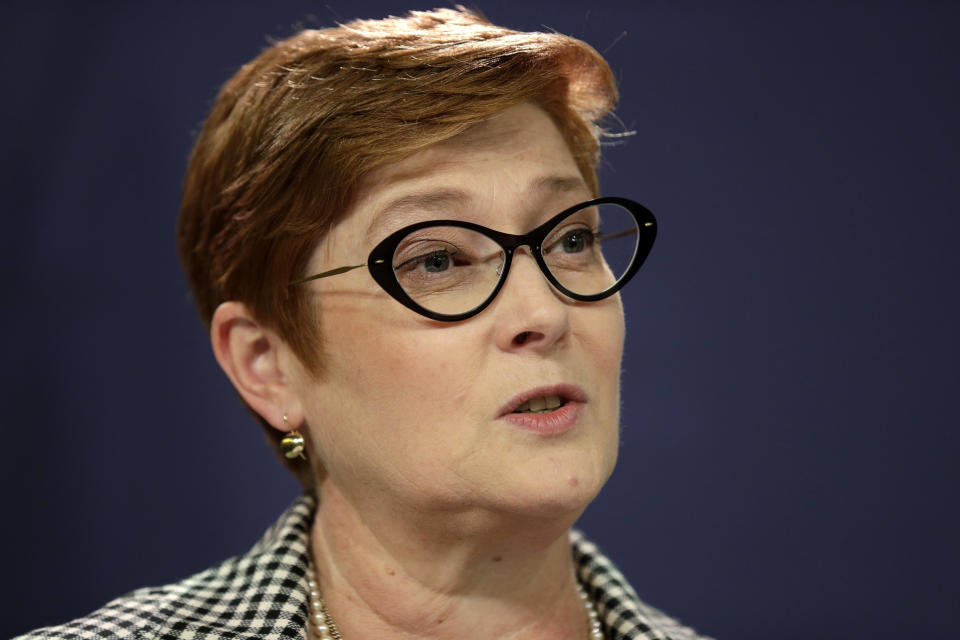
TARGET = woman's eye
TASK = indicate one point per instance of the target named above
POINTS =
(432, 262)
(436, 262)
(576, 241)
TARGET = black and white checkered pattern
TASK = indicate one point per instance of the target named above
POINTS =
(623, 614)
(262, 594)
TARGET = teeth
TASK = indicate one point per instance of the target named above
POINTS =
(540, 405)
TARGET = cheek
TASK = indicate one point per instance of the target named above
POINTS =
(421, 372)
(393, 396)
(406, 369)
(605, 354)
(605, 336)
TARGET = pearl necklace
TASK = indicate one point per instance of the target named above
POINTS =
(323, 625)
(326, 629)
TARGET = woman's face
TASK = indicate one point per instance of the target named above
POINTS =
(409, 411)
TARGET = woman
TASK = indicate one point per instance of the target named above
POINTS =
(392, 231)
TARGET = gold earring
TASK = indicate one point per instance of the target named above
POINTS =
(292, 444)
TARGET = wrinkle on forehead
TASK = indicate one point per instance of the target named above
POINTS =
(496, 132)
(432, 182)
(440, 202)
(492, 132)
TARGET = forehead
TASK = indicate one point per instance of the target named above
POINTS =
(509, 172)
(512, 162)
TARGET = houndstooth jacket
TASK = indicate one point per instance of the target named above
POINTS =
(262, 595)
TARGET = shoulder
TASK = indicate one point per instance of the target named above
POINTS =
(259, 594)
(624, 615)
(128, 617)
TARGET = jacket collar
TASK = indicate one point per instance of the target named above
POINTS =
(262, 594)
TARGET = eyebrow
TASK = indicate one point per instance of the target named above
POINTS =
(562, 185)
(445, 199)
(414, 204)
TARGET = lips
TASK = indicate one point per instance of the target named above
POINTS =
(540, 404)
(543, 400)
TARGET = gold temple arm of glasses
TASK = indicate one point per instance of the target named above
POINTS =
(611, 236)
(326, 274)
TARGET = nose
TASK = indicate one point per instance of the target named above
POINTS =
(530, 314)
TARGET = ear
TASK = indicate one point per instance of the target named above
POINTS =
(253, 357)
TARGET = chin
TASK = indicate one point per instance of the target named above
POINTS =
(562, 492)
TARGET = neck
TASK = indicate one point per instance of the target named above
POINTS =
(444, 575)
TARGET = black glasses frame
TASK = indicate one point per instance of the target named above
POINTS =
(380, 261)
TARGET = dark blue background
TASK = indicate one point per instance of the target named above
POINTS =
(789, 459)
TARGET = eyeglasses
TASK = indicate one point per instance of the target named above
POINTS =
(451, 270)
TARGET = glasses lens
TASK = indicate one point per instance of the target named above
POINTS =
(448, 270)
(590, 251)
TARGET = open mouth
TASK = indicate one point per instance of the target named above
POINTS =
(548, 410)
(544, 399)
(541, 404)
